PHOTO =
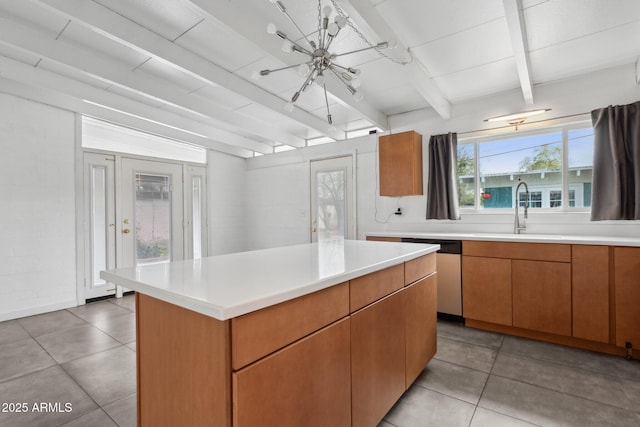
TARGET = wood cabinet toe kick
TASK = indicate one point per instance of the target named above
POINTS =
(312, 360)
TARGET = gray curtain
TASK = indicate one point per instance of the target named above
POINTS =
(616, 163)
(442, 188)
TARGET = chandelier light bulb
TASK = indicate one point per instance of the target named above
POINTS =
(255, 75)
(327, 11)
(289, 106)
(303, 70)
(332, 128)
(341, 21)
(358, 97)
(287, 47)
(355, 71)
(320, 79)
(271, 28)
(355, 82)
(333, 29)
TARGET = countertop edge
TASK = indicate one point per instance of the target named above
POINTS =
(225, 313)
(524, 238)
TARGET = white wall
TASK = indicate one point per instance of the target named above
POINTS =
(37, 218)
(277, 205)
(226, 203)
(278, 185)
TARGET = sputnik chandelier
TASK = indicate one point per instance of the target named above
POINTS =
(321, 63)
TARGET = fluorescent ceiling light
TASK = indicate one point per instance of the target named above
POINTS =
(517, 117)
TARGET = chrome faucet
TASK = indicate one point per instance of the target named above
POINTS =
(517, 226)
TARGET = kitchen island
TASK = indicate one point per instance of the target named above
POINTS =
(329, 333)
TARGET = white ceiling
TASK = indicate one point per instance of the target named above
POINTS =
(183, 68)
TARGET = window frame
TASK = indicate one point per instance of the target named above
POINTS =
(564, 129)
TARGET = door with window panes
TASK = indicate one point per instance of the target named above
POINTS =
(160, 215)
(332, 199)
(152, 213)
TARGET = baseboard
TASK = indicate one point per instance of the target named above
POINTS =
(32, 311)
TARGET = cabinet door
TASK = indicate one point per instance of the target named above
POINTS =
(421, 306)
(486, 289)
(400, 164)
(377, 359)
(627, 294)
(590, 294)
(305, 384)
(542, 296)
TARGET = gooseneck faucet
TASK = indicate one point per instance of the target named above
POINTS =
(517, 226)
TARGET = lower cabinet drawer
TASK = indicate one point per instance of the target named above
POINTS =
(304, 384)
(418, 268)
(262, 332)
(366, 289)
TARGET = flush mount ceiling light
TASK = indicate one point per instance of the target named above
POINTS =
(516, 119)
(320, 63)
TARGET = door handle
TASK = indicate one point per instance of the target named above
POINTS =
(313, 230)
(126, 231)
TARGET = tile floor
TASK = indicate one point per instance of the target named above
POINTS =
(85, 357)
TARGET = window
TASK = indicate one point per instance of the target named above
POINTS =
(466, 175)
(534, 200)
(106, 136)
(489, 169)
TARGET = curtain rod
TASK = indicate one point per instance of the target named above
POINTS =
(525, 126)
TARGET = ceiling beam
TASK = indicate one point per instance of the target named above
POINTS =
(252, 26)
(96, 66)
(95, 97)
(367, 18)
(514, 15)
(66, 102)
(116, 27)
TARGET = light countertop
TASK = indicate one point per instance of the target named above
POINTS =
(228, 286)
(523, 237)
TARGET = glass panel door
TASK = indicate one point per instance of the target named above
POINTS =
(152, 220)
(195, 190)
(332, 200)
(100, 224)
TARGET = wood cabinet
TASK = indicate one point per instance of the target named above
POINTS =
(486, 289)
(400, 164)
(181, 354)
(542, 296)
(377, 359)
(369, 288)
(525, 285)
(262, 332)
(384, 239)
(590, 292)
(627, 296)
(585, 296)
(305, 384)
(392, 340)
(420, 302)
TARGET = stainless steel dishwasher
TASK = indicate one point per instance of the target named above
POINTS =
(449, 276)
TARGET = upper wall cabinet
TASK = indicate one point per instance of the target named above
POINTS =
(400, 164)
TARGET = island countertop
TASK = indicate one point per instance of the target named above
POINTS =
(227, 286)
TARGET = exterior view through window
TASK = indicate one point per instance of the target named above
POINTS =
(536, 158)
